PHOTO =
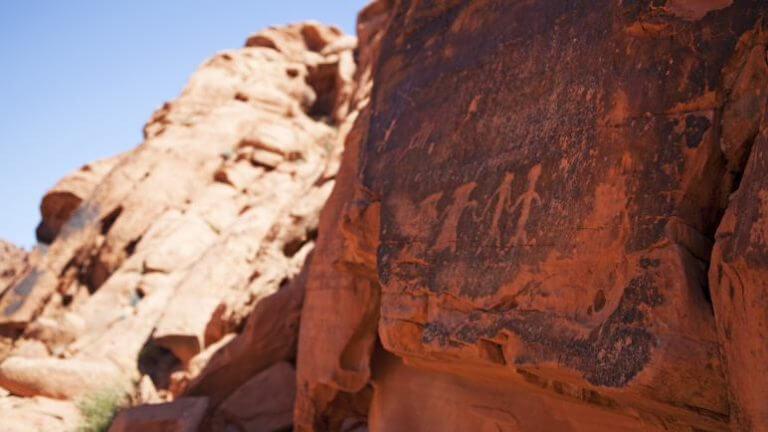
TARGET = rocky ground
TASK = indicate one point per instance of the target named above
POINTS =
(475, 216)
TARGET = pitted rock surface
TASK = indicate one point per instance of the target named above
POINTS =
(542, 183)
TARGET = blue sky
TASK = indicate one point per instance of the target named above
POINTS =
(78, 79)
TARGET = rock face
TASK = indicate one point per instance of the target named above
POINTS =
(12, 263)
(263, 404)
(62, 200)
(738, 278)
(181, 415)
(528, 221)
(334, 348)
(159, 257)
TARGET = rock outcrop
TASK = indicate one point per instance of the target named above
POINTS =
(333, 369)
(738, 279)
(526, 223)
(13, 262)
(159, 257)
(60, 202)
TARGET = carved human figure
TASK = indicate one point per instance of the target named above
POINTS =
(524, 202)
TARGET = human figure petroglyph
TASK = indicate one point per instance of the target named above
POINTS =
(524, 202)
(500, 202)
(428, 207)
(503, 192)
(422, 136)
(381, 144)
(503, 202)
(447, 236)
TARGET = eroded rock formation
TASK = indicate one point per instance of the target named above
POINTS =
(60, 201)
(158, 257)
(13, 260)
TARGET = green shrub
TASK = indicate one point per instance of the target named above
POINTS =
(98, 409)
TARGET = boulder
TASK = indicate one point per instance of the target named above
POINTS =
(181, 415)
(58, 378)
(27, 414)
(270, 336)
(263, 404)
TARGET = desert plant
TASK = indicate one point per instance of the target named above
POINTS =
(97, 410)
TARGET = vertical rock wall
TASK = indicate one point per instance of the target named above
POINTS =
(537, 191)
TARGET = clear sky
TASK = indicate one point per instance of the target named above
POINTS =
(78, 79)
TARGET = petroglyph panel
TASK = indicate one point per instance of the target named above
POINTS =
(544, 193)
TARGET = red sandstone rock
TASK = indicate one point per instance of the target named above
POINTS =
(263, 404)
(270, 336)
(738, 273)
(160, 256)
(181, 415)
(60, 202)
(37, 414)
(541, 185)
(12, 263)
(334, 349)
(57, 378)
(199, 179)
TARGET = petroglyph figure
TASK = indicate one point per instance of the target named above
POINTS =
(503, 192)
(447, 236)
(422, 136)
(501, 201)
(524, 202)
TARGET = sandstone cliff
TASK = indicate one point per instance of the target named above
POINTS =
(477, 216)
(158, 256)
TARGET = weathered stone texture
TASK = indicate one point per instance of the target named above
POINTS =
(541, 183)
(172, 268)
